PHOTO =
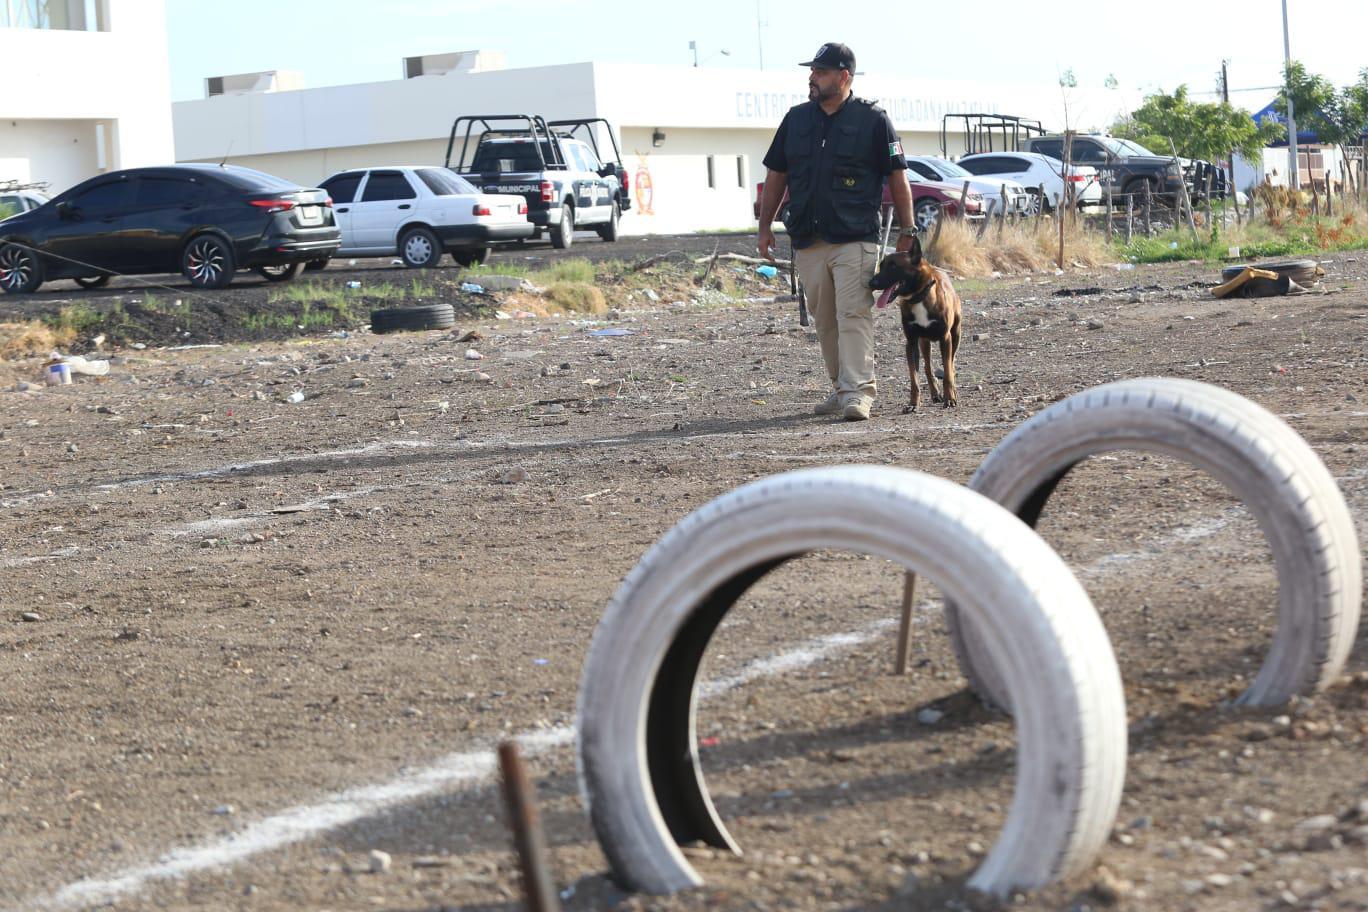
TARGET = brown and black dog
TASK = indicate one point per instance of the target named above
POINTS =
(930, 309)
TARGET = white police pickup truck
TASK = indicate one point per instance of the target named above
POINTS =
(555, 166)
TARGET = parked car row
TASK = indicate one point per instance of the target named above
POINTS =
(932, 168)
(206, 221)
(210, 221)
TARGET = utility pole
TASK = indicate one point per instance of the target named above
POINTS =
(1225, 82)
(760, 33)
(1291, 115)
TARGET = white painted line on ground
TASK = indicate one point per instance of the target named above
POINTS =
(221, 470)
(339, 809)
(60, 554)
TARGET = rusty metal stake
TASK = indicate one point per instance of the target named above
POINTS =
(528, 838)
(905, 625)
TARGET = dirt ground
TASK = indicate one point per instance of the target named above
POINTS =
(255, 654)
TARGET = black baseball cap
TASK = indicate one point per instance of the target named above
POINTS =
(832, 56)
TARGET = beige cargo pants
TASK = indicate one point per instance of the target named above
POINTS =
(836, 278)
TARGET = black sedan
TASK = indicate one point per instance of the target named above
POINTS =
(205, 221)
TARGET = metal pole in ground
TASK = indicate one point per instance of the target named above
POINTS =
(528, 838)
(1110, 214)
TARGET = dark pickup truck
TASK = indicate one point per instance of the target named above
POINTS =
(555, 165)
(1123, 165)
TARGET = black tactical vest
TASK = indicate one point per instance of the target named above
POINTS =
(835, 192)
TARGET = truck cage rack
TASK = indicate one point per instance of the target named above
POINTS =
(980, 130)
(535, 128)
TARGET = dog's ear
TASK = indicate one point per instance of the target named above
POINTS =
(914, 253)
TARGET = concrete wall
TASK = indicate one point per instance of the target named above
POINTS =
(717, 114)
(59, 84)
(62, 152)
(385, 114)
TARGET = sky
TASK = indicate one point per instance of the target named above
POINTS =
(1149, 46)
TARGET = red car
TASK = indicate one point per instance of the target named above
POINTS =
(929, 199)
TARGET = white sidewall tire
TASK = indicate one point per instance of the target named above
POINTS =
(1039, 628)
(1258, 457)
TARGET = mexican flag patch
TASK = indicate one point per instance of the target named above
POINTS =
(895, 148)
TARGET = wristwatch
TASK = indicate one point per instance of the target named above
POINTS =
(909, 231)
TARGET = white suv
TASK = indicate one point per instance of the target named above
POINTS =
(420, 212)
(16, 198)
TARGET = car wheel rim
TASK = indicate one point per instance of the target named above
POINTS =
(206, 262)
(418, 249)
(14, 268)
(926, 217)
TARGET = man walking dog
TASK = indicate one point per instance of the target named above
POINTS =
(832, 154)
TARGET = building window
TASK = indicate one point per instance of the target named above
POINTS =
(712, 173)
(64, 15)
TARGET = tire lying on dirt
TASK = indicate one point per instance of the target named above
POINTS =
(427, 316)
(1303, 272)
(638, 751)
(1255, 455)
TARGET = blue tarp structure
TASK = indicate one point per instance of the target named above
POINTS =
(1304, 136)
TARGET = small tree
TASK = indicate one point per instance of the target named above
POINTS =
(1206, 130)
(1312, 96)
(1338, 117)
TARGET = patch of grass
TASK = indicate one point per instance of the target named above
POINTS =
(74, 320)
(573, 269)
(418, 290)
(577, 297)
(309, 293)
(1021, 247)
(32, 338)
(517, 270)
(1282, 226)
(306, 318)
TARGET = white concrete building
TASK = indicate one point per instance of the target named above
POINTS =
(692, 138)
(86, 88)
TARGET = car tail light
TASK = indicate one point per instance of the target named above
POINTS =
(548, 191)
(522, 207)
(482, 210)
(275, 205)
(1077, 178)
(328, 202)
(626, 187)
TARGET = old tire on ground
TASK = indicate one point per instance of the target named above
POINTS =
(1303, 272)
(427, 316)
(93, 282)
(563, 233)
(21, 271)
(282, 272)
(609, 232)
(1255, 455)
(638, 755)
